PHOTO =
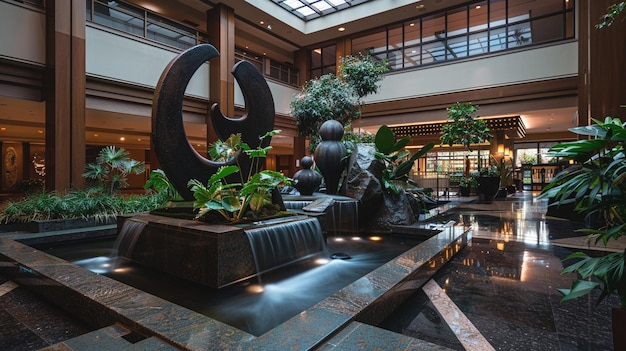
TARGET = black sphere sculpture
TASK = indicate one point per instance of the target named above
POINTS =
(329, 154)
(178, 159)
(306, 180)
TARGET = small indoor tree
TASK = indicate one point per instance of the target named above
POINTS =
(337, 97)
(463, 128)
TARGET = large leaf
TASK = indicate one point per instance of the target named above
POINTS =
(385, 140)
(579, 288)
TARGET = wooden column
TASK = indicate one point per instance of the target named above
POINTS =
(607, 49)
(65, 94)
(583, 62)
(221, 34)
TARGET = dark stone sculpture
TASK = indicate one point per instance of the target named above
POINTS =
(178, 159)
(329, 154)
(306, 180)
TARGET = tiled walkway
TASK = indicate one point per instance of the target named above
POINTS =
(499, 293)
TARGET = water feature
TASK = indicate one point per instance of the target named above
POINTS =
(278, 245)
(247, 305)
(341, 213)
(127, 237)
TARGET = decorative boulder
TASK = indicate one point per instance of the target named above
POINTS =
(378, 209)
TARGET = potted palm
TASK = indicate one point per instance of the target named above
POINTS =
(595, 187)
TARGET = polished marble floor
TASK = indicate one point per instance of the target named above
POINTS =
(502, 287)
(499, 293)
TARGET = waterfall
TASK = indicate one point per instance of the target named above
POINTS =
(278, 245)
(127, 238)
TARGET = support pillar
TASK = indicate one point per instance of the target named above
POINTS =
(221, 34)
(65, 94)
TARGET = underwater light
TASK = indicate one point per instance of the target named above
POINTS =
(340, 256)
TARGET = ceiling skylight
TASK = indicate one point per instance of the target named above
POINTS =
(310, 9)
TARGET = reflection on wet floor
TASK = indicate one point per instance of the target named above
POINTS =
(504, 282)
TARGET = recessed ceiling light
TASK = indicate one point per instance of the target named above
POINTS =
(262, 22)
(122, 138)
(3, 129)
(40, 131)
(419, 6)
(341, 29)
(477, 7)
(95, 135)
(412, 25)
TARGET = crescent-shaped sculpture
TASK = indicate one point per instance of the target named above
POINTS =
(178, 159)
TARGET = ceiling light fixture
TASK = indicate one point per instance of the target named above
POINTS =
(341, 29)
(419, 6)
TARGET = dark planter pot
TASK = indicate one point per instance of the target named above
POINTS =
(464, 190)
(618, 317)
(488, 188)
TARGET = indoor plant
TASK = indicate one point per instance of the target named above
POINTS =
(235, 201)
(462, 128)
(596, 188)
(465, 185)
(337, 97)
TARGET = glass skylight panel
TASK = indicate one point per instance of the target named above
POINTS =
(321, 5)
(310, 9)
(293, 4)
(305, 11)
(339, 2)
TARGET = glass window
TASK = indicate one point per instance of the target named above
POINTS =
(395, 41)
(316, 57)
(412, 56)
(395, 59)
(412, 33)
(323, 61)
(547, 29)
(497, 13)
(457, 47)
(370, 44)
(434, 27)
(478, 16)
(329, 55)
(478, 44)
(457, 21)
(468, 30)
(497, 39)
(519, 35)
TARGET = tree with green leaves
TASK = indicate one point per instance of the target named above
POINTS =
(337, 97)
